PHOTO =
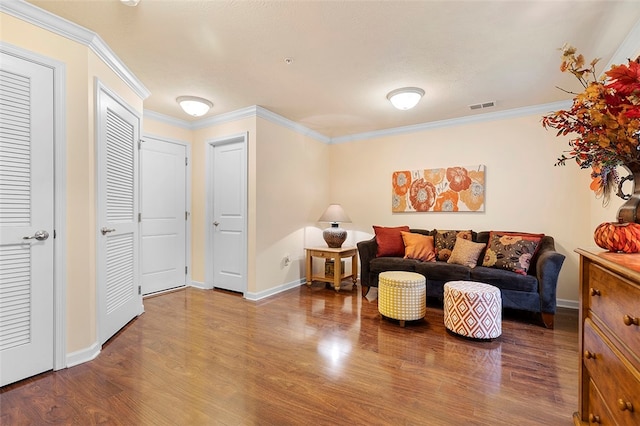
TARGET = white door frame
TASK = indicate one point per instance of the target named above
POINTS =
(210, 144)
(187, 146)
(59, 197)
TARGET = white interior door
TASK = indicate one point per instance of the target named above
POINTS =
(26, 219)
(228, 218)
(119, 295)
(164, 215)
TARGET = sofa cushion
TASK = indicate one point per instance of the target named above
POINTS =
(389, 240)
(418, 246)
(382, 264)
(466, 253)
(504, 279)
(445, 240)
(442, 271)
(511, 250)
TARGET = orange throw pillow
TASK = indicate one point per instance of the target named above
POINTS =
(418, 246)
(389, 240)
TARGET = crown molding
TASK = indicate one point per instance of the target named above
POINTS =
(258, 111)
(490, 116)
(254, 111)
(240, 114)
(289, 124)
(249, 112)
(67, 29)
(156, 116)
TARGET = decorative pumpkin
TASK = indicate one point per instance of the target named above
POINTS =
(618, 237)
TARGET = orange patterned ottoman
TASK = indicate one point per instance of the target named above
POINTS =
(473, 309)
(402, 295)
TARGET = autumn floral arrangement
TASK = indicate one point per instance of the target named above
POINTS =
(603, 121)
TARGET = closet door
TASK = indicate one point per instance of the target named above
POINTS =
(26, 218)
(119, 294)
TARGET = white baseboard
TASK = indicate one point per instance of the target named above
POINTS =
(564, 303)
(198, 284)
(83, 355)
(274, 290)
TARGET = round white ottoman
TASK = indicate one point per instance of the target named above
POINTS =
(402, 295)
(473, 309)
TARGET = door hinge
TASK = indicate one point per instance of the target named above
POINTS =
(140, 143)
(186, 161)
(54, 234)
(186, 215)
(186, 270)
(139, 289)
(139, 217)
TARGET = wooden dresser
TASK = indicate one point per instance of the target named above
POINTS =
(609, 385)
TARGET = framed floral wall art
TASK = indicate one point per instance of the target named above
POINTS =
(450, 189)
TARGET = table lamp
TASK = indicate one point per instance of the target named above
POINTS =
(334, 235)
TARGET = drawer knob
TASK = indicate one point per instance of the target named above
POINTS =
(589, 355)
(625, 405)
(594, 419)
(629, 320)
(594, 291)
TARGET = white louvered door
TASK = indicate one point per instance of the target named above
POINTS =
(119, 297)
(26, 208)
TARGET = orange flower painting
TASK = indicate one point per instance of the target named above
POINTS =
(450, 189)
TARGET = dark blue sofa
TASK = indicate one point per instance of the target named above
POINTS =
(534, 292)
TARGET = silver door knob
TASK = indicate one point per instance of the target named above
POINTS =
(106, 230)
(216, 223)
(39, 235)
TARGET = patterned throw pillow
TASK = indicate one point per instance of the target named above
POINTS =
(511, 250)
(466, 253)
(389, 240)
(446, 240)
(418, 246)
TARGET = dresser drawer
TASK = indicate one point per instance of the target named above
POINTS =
(617, 302)
(598, 412)
(619, 385)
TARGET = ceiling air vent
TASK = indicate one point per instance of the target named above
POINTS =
(482, 105)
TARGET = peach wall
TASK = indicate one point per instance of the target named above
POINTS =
(154, 127)
(82, 66)
(292, 191)
(524, 191)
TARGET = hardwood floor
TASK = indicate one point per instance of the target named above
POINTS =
(308, 356)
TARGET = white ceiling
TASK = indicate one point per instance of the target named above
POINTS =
(347, 55)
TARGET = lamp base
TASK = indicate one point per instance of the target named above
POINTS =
(334, 236)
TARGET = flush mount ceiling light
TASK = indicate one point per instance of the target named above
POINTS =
(130, 2)
(194, 105)
(406, 97)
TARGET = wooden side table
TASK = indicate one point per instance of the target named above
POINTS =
(337, 254)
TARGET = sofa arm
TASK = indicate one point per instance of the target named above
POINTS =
(366, 251)
(547, 271)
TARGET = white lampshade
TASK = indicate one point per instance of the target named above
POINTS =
(334, 214)
(194, 105)
(405, 98)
